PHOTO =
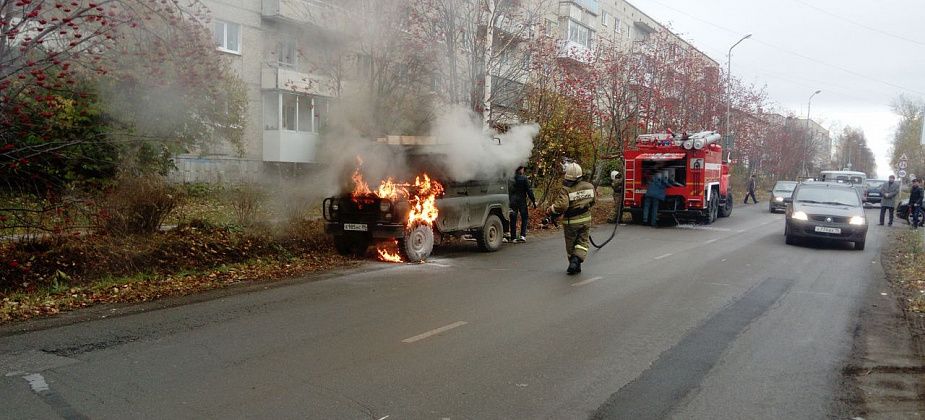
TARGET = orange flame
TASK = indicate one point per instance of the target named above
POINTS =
(388, 251)
(392, 190)
(424, 203)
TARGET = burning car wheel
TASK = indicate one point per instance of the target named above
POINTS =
(490, 236)
(417, 244)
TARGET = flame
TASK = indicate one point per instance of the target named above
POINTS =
(424, 202)
(392, 190)
(388, 251)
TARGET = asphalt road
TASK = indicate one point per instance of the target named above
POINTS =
(724, 321)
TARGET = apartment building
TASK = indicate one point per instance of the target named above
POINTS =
(278, 47)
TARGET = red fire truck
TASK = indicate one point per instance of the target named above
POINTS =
(695, 168)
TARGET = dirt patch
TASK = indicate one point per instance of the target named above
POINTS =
(885, 375)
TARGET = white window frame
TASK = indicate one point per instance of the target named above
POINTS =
(617, 22)
(580, 28)
(604, 17)
(302, 102)
(282, 45)
(224, 44)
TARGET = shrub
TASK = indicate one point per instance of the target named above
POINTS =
(245, 201)
(137, 205)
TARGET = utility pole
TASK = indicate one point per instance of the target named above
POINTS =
(727, 144)
(808, 132)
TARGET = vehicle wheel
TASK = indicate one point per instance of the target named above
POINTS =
(726, 209)
(417, 244)
(636, 217)
(859, 245)
(490, 236)
(790, 239)
(713, 210)
(343, 245)
(350, 247)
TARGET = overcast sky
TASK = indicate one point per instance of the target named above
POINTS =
(861, 54)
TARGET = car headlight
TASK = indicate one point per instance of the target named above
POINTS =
(385, 206)
(857, 220)
(778, 199)
(799, 215)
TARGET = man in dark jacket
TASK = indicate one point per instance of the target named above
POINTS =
(655, 194)
(520, 189)
(750, 190)
(915, 203)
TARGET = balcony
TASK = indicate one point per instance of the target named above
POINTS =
(290, 146)
(573, 51)
(280, 78)
(324, 14)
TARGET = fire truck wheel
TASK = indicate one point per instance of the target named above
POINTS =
(490, 236)
(713, 209)
(726, 209)
(417, 244)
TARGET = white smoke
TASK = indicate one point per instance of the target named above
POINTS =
(474, 152)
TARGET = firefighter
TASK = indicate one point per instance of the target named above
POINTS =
(573, 202)
(616, 181)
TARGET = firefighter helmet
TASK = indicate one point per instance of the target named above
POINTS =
(572, 171)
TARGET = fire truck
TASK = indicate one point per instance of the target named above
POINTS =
(696, 171)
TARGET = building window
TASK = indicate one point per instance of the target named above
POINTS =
(227, 36)
(604, 18)
(616, 24)
(294, 112)
(286, 53)
(579, 33)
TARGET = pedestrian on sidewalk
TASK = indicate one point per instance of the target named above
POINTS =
(750, 190)
(519, 190)
(655, 194)
(888, 192)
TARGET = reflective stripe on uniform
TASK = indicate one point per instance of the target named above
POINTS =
(583, 219)
(581, 195)
(581, 247)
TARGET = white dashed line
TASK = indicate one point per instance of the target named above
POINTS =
(740, 230)
(584, 282)
(662, 256)
(711, 241)
(37, 382)
(434, 332)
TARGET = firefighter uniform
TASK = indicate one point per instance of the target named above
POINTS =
(573, 201)
(617, 184)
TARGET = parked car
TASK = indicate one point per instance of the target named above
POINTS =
(872, 192)
(902, 210)
(826, 210)
(781, 190)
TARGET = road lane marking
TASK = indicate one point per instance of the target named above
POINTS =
(37, 382)
(711, 241)
(434, 332)
(584, 282)
(740, 230)
(699, 227)
(662, 256)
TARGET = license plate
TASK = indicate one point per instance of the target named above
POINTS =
(824, 229)
(874, 194)
(359, 227)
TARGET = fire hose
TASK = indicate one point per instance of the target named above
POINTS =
(552, 219)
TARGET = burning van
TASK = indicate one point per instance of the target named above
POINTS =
(403, 217)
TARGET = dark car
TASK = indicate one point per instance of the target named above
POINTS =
(872, 194)
(902, 210)
(781, 190)
(826, 210)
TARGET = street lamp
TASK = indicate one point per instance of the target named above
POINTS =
(808, 133)
(728, 84)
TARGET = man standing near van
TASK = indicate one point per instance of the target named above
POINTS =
(887, 203)
(518, 192)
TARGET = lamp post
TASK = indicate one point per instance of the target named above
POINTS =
(728, 93)
(808, 133)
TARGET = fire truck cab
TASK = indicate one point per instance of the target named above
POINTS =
(696, 171)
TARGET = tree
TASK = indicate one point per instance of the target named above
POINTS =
(853, 150)
(906, 140)
(93, 66)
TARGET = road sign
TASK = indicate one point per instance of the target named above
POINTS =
(901, 173)
(902, 164)
(903, 157)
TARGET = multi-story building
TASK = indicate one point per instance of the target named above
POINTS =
(277, 47)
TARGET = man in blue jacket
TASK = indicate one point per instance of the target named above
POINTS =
(655, 194)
